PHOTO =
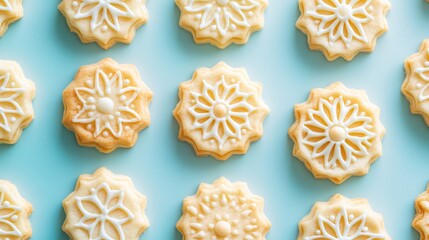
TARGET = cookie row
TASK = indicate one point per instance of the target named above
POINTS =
(337, 28)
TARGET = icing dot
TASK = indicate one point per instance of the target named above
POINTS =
(211, 226)
(104, 28)
(13, 119)
(351, 217)
(220, 110)
(318, 232)
(222, 229)
(233, 141)
(198, 16)
(92, 190)
(218, 217)
(365, 229)
(88, 83)
(75, 3)
(215, 196)
(105, 105)
(233, 27)
(233, 80)
(123, 98)
(118, 114)
(426, 63)
(331, 98)
(6, 203)
(250, 13)
(111, 117)
(332, 217)
(213, 28)
(370, 8)
(418, 85)
(91, 100)
(337, 133)
(344, 12)
(88, 126)
(14, 218)
(127, 82)
(105, 134)
(12, 84)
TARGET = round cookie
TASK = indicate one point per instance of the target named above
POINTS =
(220, 111)
(10, 11)
(343, 28)
(223, 210)
(105, 22)
(105, 206)
(337, 133)
(222, 22)
(107, 105)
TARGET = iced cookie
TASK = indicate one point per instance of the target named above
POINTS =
(337, 133)
(421, 220)
(10, 11)
(223, 210)
(222, 22)
(220, 111)
(342, 218)
(343, 28)
(105, 206)
(107, 105)
(16, 95)
(14, 213)
(105, 22)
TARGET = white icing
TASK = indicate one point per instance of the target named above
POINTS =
(337, 132)
(8, 103)
(107, 104)
(221, 14)
(6, 6)
(95, 221)
(342, 19)
(217, 109)
(341, 228)
(104, 11)
(8, 215)
(423, 73)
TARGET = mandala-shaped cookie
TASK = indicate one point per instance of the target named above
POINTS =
(220, 111)
(342, 219)
(343, 28)
(223, 210)
(16, 94)
(105, 22)
(10, 11)
(337, 133)
(106, 105)
(421, 220)
(105, 206)
(222, 22)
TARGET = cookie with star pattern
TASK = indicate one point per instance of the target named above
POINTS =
(10, 12)
(107, 105)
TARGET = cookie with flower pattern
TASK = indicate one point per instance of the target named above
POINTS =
(343, 28)
(337, 133)
(222, 22)
(220, 111)
(342, 218)
(223, 210)
(16, 95)
(421, 220)
(107, 105)
(105, 22)
(10, 12)
(105, 206)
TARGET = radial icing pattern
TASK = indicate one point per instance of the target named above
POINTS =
(8, 218)
(5, 6)
(10, 108)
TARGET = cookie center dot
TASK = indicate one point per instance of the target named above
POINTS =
(222, 2)
(105, 105)
(222, 229)
(220, 110)
(337, 133)
(344, 12)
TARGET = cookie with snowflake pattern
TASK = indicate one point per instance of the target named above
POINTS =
(342, 218)
(105, 206)
(220, 111)
(343, 28)
(16, 95)
(223, 210)
(107, 105)
(337, 133)
(10, 12)
(105, 22)
(222, 22)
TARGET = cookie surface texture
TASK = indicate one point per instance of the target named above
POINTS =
(10, 11)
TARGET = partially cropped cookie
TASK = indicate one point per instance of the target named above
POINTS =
(14, 213)
(222, 22)
(421, 220)
(105, 22)
(223, 210)
(220, 111)
(343, 28)
(105, 206)
(342, 218)
(107, 105)
(337, 133)
(16, 95)
(10, 11)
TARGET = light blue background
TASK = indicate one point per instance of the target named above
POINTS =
(47, 161)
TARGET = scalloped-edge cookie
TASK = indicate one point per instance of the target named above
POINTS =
(10, 12)
(223, 210)
(343, 28)
(220, 111)
(16, 96)
(342, 218)
(107, 105)
(421, 220)
(105, 206)
(105, 22)
(222, 22)
(337, 133)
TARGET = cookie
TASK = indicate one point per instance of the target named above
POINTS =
(223, 210)
(337, 133)
(105, 206)
(106, 105)
(10, 12)
(16, 95)
(14, 213)
(421, 220)
(342, 218)
(105, 22)
(222, 22)
(343, 28)
(220, 111)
